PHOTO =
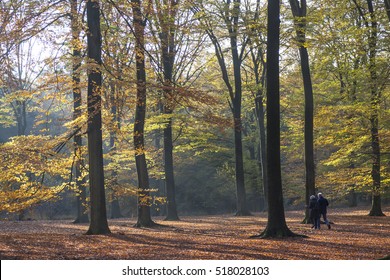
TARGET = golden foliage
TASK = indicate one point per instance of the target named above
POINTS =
(31, 172)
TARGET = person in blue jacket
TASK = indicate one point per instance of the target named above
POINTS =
(323, 205)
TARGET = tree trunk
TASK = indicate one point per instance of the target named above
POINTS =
(374, 118)
(260, 116)
(352, 197)
(81, 202)
(21, 117)
(276, 225)
(144, 198)
(309, 139)
(169, 175)
(242, 209)
(263, 153)
(115, 208)
(159, 183)
(298, 9)
(98, 224)
(167, 16)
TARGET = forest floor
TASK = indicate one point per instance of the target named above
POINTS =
(353, 236)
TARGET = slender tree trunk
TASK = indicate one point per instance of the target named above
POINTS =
(299, 12)
(81, 202)
(260, 116)
(263, 152)
(158, 182)
(115, 208)
(144, 198)
(242, 208)
(276, 225)
(21, 118)
(169, 174)
(374, 118)
(231, 17)
(98, 224)
(308, 132)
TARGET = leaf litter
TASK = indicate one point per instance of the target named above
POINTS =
(353, 236)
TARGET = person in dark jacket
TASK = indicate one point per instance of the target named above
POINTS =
(314, 212)
(323, 205)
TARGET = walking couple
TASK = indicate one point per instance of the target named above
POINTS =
(318, 206)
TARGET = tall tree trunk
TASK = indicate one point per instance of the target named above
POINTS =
(115, 208)
(169, 174)
(144, 198)
(98, 224)
(81, 198)
(276, 225)
(242, 209)
(21, 118)
(263, 151)
(260, 116)
(308, 132)
(299, 12)
(374, 118)
(167, 16)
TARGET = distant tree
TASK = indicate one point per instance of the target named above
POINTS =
(98, 224)
(371, 24)
(117, 59)
(116, 123)
(19, 77)
(82, 216)
(229, 12)
(257, 54)
(299, 11)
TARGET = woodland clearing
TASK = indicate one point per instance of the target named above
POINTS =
(353, 236)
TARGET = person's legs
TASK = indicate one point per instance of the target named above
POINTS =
(326, 220)
(317, 223)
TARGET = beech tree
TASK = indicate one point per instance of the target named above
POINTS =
(276, 224)
(144, 198)
(371, 25)
(229, 12)
(299, 11)
(98, 224)
(257, 55)
(166, 11)
(82, 216)
(117, 60)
